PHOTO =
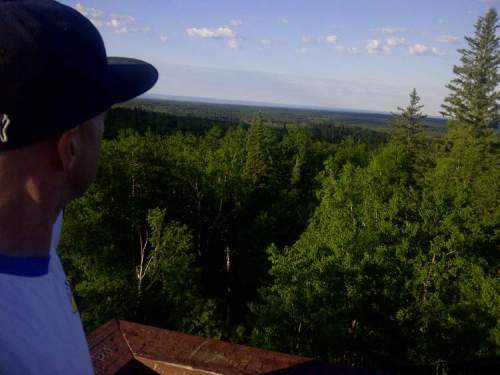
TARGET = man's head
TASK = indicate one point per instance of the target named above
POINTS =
(52, 172)
(56, 82)
(55, 73)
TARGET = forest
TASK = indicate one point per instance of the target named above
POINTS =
(359, 247)
(278, 116)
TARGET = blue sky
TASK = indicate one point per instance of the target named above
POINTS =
(352, 54)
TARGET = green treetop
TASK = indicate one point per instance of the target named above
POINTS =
(474, 96)
(259, 159)
(407, 126)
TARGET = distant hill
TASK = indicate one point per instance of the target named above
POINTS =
(194, 99)
(229, 110)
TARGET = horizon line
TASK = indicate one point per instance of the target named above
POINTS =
(251, 103)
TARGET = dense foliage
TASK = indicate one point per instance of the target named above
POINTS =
(394, 265)
(210, 195)
(336, 243)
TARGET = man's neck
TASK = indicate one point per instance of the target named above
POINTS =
(26, 230)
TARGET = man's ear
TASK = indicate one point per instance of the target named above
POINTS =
(69, 149)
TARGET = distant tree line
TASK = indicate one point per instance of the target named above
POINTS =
(142, 120)
(362, 248)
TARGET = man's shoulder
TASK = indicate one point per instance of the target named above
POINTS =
(40, 326)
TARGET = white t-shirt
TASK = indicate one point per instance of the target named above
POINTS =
(40, 327)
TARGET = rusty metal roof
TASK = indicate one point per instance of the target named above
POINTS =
(120, 347)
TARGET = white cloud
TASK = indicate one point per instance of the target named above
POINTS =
(163, 38)
(96, 16)
(350, 50)
(303, 50)
(236, 22)
(265, 42)
(391, 30)
(120, 24)
(331, 39)
(436, 52)
(233, 40)
(447, 39)
(374, 46)
(218, 33)
(394, 41)
(284, 21)
(420, 50)
(233, 43)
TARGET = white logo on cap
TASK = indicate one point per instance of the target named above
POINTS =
(4, 125)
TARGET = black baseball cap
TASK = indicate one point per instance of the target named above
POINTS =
(55, 74)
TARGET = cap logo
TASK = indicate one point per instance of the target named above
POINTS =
(4, 125)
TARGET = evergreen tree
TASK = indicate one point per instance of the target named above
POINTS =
(258, 163)
(407, 126)
(474, 94)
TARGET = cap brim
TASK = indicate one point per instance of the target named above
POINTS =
(129, 78)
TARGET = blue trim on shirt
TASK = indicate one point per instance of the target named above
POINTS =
(24, 266)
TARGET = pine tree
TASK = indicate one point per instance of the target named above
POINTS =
(258, 151)
(474, 95)
(407, 126)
